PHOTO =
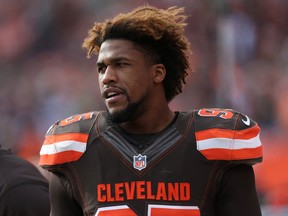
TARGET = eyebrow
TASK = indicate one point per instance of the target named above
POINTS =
(113, 60)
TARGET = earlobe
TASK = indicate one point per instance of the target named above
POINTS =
(159, 73)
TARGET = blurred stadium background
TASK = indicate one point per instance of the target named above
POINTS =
(240, 60)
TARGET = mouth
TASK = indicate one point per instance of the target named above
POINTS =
(112, 94)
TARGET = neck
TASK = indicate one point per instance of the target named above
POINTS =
(149, 122)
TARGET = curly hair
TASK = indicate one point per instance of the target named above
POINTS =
(160, 32)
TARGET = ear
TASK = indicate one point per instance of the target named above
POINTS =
(159, 73)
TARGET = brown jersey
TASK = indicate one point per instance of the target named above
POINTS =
(179, 173)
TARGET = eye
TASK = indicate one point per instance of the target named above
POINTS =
(101, 69)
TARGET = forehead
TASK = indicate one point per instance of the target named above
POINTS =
(118, 48)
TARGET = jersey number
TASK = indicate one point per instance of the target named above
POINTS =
(222, 113)
(153, 210)
(76, 118)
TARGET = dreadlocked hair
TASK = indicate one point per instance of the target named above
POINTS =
(160, 32)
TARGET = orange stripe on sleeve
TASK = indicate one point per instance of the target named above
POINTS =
(80, 137)
(225, 133)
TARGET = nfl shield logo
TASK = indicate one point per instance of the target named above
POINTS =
(139, 162)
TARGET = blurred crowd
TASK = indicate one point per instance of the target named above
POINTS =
(240, 61)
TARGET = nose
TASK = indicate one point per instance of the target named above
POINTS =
(109, 76)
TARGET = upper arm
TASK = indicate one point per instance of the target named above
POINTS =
(237, 194)
(61, 198)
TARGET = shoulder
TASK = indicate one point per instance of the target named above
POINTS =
(225, 134)
(66, 140)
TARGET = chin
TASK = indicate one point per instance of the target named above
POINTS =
(127, 114)
(120, 116)
(123, 115)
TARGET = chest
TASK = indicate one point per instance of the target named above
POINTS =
(170, 172)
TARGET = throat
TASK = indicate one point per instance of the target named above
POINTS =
(146, 125)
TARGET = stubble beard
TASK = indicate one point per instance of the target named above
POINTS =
(129, 113)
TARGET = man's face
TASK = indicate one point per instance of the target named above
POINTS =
(125, 79)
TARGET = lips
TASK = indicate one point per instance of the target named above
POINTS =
(112, 92)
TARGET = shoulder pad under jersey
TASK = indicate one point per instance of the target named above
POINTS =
(224, 134)
(66, 140)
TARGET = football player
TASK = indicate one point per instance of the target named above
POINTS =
(139, 157)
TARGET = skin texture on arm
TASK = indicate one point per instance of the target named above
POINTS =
(238, 195)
